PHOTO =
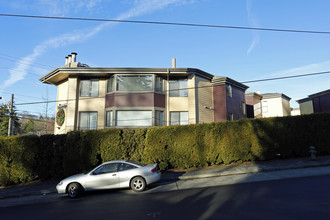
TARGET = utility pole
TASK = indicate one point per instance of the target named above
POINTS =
(10, 123)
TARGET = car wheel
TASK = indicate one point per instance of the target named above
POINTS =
(74, 190)
(138, 184)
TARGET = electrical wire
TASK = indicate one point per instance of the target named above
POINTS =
(14, 59)
(200, 87)
(167, 23)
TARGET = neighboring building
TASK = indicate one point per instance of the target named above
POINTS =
(295, 111)
(275, 105)
(253, 104)
(98, 98)
(318, 102)
(267, 105)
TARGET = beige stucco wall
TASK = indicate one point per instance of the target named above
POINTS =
(306, 107)
(67, 95)
(205, 100)
(94, 104)
(62, 94)
(187, 104)
(71, 109)
(69, 91)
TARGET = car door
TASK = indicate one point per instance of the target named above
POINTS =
(104, 177)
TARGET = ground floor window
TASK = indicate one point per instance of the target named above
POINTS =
(179, 118)
(133, 118)
(87, 120)
(109, 119)
(159, 118)
(230, 117)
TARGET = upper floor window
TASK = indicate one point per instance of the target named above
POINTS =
(110, 84)
(229, 91)
(134, 83)
(179, 88)
(89, 88)
(159, 84)
(243, 108)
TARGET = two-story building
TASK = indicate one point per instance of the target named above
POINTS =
(314, 103)
(267, 105)
(98, 98)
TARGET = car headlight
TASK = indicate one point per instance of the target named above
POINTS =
(60, 183)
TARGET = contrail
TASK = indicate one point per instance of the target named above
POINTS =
(141, 7)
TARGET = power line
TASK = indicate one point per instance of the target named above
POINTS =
(287, 77)
(14, 59)
(168, 23)
(169, 90)
(10, 69)
(20, 95)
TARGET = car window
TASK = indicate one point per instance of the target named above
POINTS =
(106, 168)
(126, 166)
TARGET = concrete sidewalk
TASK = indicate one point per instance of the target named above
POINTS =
(182, 176)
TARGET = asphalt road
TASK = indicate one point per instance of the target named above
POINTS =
(298, 198)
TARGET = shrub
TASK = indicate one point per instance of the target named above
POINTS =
(25, 158)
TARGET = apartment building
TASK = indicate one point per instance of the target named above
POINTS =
(99, 98)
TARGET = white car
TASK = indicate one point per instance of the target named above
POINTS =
(110, 175)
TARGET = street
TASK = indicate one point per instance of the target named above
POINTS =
(298, 198)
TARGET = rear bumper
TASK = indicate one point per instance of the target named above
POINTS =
(154, 177)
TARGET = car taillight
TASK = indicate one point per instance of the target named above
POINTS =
(154, 170)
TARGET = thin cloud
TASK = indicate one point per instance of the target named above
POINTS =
(310, 68)
(253, 23)
(141, 7)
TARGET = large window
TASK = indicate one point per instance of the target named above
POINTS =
(179, 88)
(109, 118)
(87, 120)
(159, 118)
(89, 88)
(134, 83)
(179, 118)
(133, 118)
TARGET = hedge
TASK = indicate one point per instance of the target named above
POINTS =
(26, 158)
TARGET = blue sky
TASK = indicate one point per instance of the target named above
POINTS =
(30, 48)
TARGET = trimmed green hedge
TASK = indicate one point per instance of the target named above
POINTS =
(25, 158)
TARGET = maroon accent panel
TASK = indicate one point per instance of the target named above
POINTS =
(219, 97)
(234, 103)
(159, 100)
(321, 103)
(109, 100)
(135, 100)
